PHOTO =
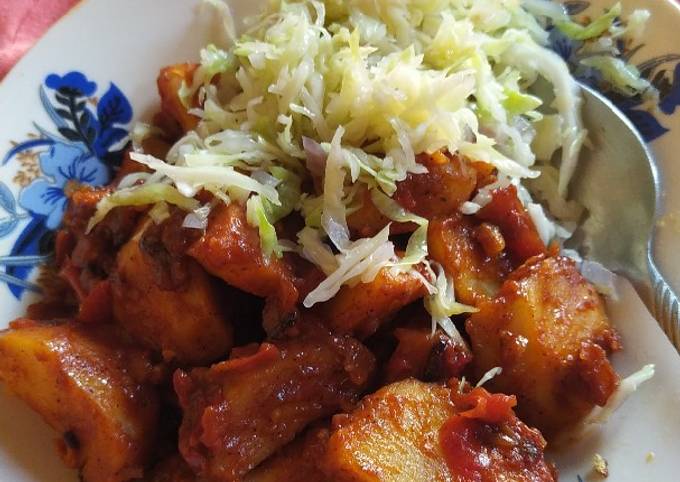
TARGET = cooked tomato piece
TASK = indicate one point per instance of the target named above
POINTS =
(486, 442)
(519, 231)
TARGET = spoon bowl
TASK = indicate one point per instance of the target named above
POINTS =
(618, 183)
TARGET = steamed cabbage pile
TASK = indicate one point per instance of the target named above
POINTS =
(350, 92)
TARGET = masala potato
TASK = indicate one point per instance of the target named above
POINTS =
(361, 309)
(239, 412)
(230, 249)
(477, 276)
(393, 435)
(412, 431)
(449, 181)
(83, 384)
(170, 80)
(183, 321)
(548, 330)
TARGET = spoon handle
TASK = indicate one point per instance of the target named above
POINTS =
(666, 305)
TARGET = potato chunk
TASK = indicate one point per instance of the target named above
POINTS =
(367, 221)
(392, 436)
(548, 330)
(450, 181)
(477, 276)
(360, 310)
(183, 319)
(412, 431)
(296, 462)
(230, 249)
(78, 381)
(169, 82)
(239, 412)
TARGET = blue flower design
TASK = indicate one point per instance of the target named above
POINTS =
(563, 45)
(671, 100)
(71, 82)
(85, 148)
(61, 163)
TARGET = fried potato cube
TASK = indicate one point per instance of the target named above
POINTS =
(392, 436)
(230, 249)
(169, 82)
(359, 310)
(184, 321)
(450, 181)
(547, 329)
(451, 242)
(412, 430)
(367, 221)
(78, 381)
(296, 462)
(239, 412)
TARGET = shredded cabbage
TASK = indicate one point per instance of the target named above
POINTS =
(416, 248)
(627, 387)
(623, 77)
(489, 375)
(320, 100)
(360, 261)
(140, 196)
(594, 29)
(257, 217)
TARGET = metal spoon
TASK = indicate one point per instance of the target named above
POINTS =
(617, 181)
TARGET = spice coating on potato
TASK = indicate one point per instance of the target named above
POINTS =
(230, 249)
(169, 82)
(477, 276)
(184, 322)
(172, 469)
(548, 330)
(78, 380)
(450, 181)
(359, 310)
(393, 435)
(239, 412)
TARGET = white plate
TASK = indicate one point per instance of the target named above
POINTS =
(125, 43)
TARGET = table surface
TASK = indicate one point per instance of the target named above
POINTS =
(22, 22)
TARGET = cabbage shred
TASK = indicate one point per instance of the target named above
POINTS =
(349, 92)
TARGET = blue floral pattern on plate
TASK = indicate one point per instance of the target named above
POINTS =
(90, 135)
(662, 71)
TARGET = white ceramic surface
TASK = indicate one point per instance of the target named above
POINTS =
(127, 41)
